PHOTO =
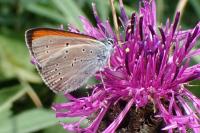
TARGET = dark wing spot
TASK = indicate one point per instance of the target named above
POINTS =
(66, 51)
(66, 44)
(59, 73)
(72, 64)
(91, 51)
(61, 78)
(65, 57)
(47, 46)
(47, 51)
(83, 50)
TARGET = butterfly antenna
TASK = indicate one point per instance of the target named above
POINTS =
(109, 64)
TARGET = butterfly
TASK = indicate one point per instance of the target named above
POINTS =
(66, 60)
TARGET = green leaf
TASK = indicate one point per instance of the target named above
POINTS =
(28, 76)
(60, 99)
(31, 121)
(70, 10)
(55, 129)
(196, 59)
(10, 95)
(196, 5)
(14, 50)
(5, 115)
(194, 87)
(14, 57)
(46, 12)
(103, 9)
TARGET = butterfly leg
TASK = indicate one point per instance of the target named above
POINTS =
(102, 80)
(109, 65)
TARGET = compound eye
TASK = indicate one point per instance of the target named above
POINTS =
(110, 41)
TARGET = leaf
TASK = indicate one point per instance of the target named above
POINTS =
(31, 121)
(9, 95)
(28, 76)
(46, 12)
(194, 87)
(60, 99)
(14, 57)
(15, 50)
(5, 115)
(103, 9)
(55, 129)
(196, 5)
(70, 10)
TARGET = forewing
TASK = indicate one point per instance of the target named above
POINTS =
(65, 62)
(45, 42)
(66, 71)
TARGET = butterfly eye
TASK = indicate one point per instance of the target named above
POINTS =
(67, 44)
(110, 41)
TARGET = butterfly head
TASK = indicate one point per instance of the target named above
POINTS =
(110, 41)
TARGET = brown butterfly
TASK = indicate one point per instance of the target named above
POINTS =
(66, 60)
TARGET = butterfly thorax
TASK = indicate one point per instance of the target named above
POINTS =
(103, 59)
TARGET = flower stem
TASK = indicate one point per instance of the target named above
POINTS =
(32, 94)
(181, 6)
(115, 21)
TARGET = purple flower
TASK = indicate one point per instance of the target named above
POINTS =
(152, 66)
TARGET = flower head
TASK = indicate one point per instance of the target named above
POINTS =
(152, 66)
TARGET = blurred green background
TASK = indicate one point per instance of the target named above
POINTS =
(25, 102)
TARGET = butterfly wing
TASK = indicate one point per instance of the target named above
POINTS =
(65, 60)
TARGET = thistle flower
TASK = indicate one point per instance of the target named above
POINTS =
(152, 66)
